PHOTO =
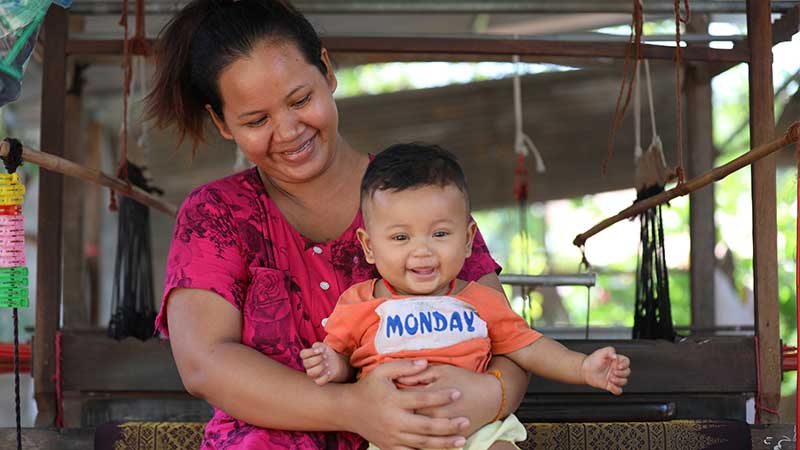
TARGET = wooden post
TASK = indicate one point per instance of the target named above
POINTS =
(765, 259)
(701, 202)
(91, 215)
(75, 309)
(48, 259)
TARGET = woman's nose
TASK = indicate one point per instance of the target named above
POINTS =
(289, 128)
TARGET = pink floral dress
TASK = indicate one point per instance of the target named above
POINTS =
(230, 238)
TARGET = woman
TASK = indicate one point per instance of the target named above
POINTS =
(259, 258)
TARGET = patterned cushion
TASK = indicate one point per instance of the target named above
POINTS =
(673, 435)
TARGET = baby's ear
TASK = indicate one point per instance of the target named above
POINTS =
(472, 228)
(366, 245)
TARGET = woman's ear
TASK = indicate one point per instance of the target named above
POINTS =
(363, 238)
(472, 228)
(330, 76)
(219, 123)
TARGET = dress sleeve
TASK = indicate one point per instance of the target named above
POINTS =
(205, 252)
(480, 262)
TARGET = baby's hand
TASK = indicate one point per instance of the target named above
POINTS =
(605, 369)
(324, 365)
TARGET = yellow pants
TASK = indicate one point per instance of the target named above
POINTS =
(510, 430)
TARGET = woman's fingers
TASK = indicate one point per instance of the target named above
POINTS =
(421, 399)
(426, 377)
(422, 441)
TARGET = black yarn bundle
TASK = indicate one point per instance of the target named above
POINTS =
(653, 313)
(133, 303)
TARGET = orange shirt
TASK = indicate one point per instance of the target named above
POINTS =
(463, 329)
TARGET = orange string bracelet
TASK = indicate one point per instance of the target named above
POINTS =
(499, 377)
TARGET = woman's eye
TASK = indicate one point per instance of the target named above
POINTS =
(302, 101)
(256, 123)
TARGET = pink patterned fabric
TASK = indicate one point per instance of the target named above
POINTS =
(231, 239)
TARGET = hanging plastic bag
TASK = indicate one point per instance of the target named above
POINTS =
(19, 26)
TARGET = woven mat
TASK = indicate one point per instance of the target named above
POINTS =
(674, 435)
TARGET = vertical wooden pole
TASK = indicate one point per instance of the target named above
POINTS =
(765, 259)
(701, 202)
(48, 259)
(91, 214)
(75, 305)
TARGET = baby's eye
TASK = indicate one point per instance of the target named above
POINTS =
(400, 237)
(440, 234)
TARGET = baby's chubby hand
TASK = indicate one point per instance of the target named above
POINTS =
(605, 369)
(323, 364)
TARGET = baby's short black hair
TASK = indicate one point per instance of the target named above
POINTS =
(406, 166)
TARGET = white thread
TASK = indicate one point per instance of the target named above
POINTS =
(523, 144)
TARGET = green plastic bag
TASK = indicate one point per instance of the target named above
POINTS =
(19, 25)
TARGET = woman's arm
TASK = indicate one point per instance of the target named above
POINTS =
(205, 335)
(516, 379)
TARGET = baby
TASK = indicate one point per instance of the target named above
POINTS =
(418, 232)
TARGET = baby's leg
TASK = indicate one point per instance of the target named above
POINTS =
(503, 445)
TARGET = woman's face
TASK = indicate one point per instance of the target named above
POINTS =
(280, 111)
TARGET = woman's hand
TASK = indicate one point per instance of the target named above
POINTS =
(384, 415)
(482, 393)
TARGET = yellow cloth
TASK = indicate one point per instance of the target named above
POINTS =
(509, 430)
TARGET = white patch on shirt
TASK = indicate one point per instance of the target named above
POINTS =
(420, 323)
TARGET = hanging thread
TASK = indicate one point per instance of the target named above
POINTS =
(634, 50)
(678, 21)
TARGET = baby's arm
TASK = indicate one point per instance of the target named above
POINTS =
(324, 364)
(603, 369)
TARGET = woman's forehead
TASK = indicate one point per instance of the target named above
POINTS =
(273, 69)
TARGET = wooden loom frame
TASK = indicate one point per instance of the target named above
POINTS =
(57, 47)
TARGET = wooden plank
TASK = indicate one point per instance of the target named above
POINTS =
(91, 213)
(468, 46)
(75, 309)
(98, 409)
(48, 439)
(700, 158)
(48, 260)
(632, 407)
(765, 259)
(721, 365)
(94, 362)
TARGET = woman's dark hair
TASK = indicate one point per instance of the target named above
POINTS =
(407, 166)
(204, 38)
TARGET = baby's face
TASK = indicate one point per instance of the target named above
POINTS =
(418, 238)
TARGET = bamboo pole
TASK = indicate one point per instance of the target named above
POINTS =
(69, 168)
(792, 135)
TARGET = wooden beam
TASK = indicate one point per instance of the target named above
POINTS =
(48, 439)
(765, 259)
(48, 249)
(57, 164)
(702, 232)
(95, 363)
(75, 309)
(782, 30)
(468, 46)
(718, 365)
